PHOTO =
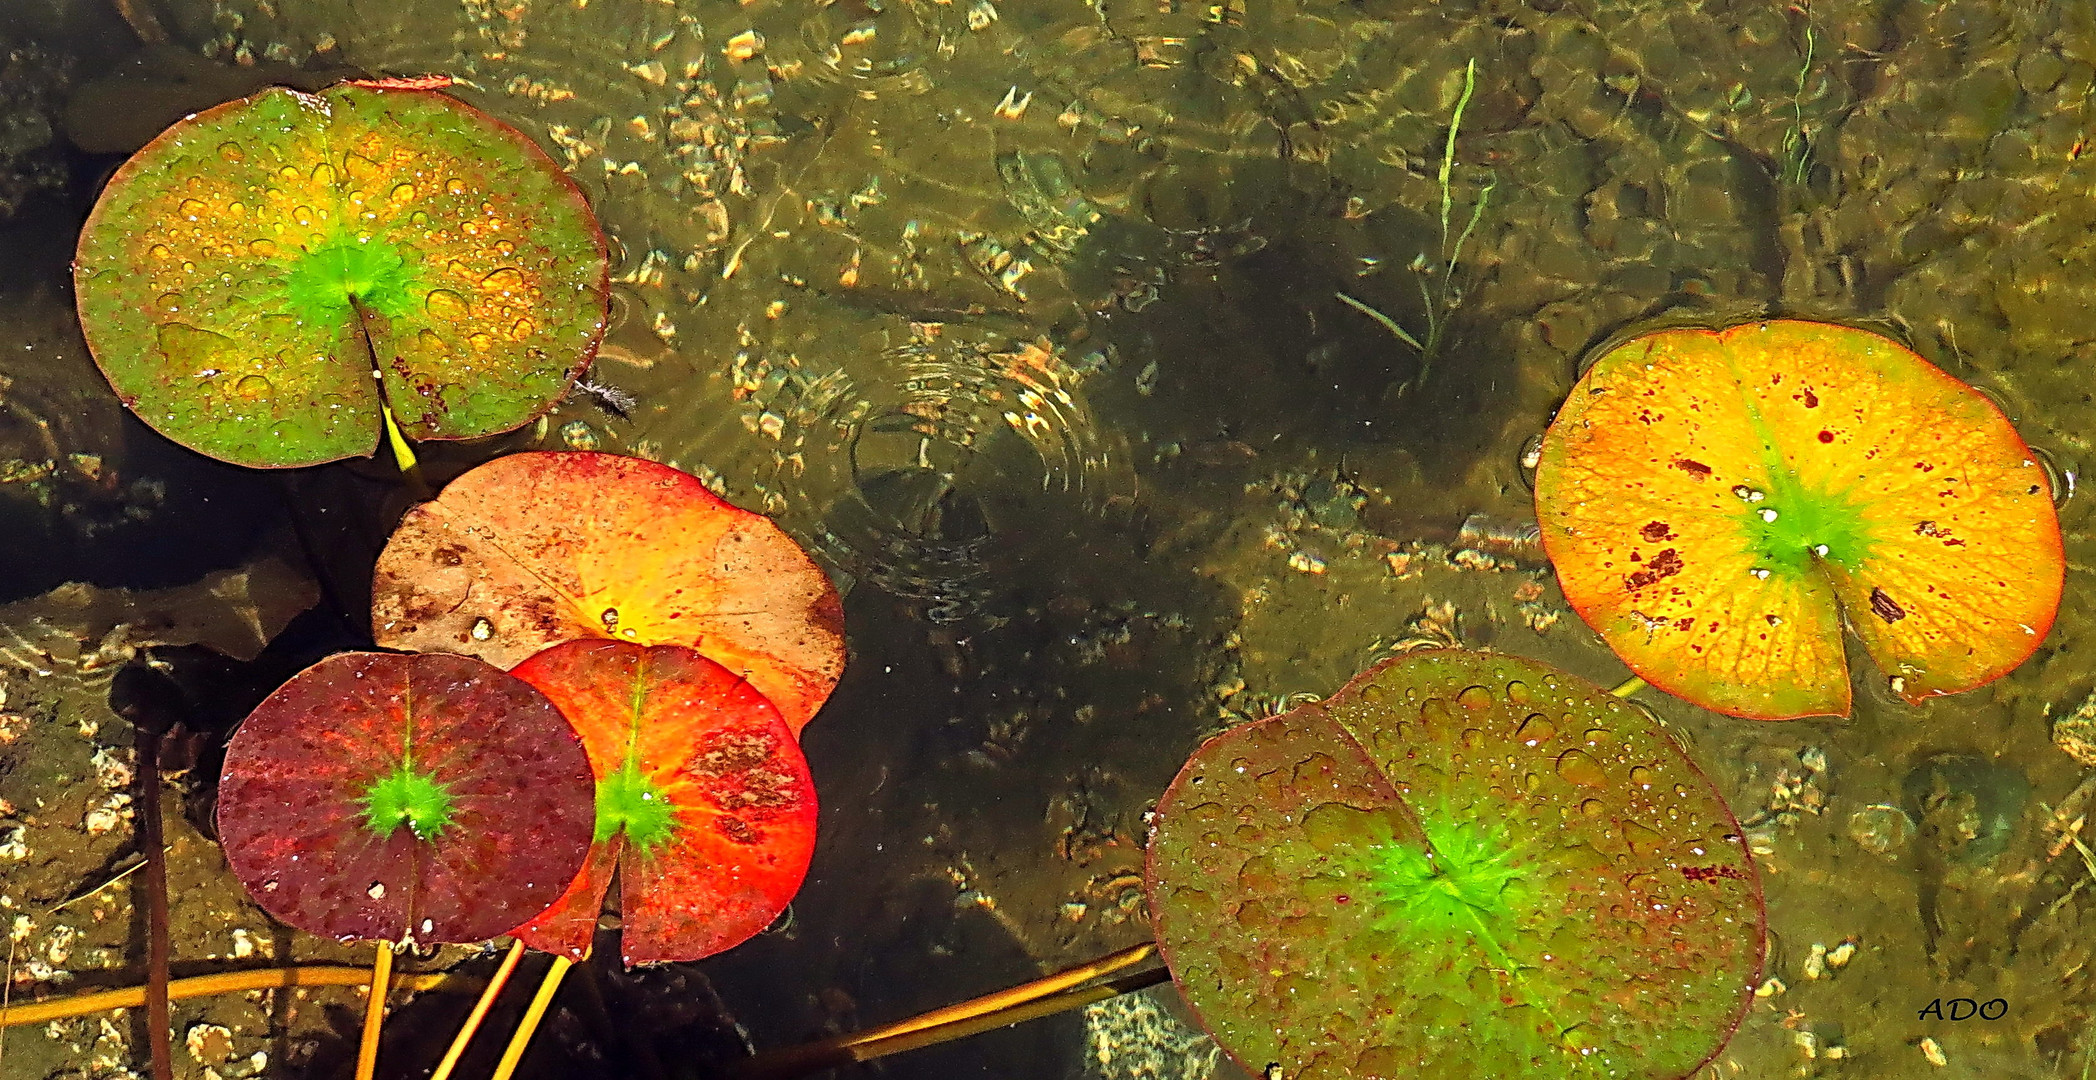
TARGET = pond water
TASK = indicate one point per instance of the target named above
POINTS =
(1135, 368)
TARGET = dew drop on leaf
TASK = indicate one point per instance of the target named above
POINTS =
(507, 279)
(1578, 767)
(253, 387)
(445, 304)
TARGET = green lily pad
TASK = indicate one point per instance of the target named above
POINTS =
(265, 275)
(1460, 865)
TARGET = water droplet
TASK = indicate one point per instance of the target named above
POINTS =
(1435, 715)
(161, 251)
(170, 302)
(262, 247)
(1472, 738)
(288, 172)
(507, 279)
(455, 186)
(236, 208)
(403, 193)
(1536, 729)
(1591, 807)
(1641, 840)
(253, 387)
(504, 247)
(302, 214)
(358, 166)
(1475, 697)
(324, 174)
(483, 629)
(1641, 776)
(610, 618)
(231, 151)
(481, 340)
(429, 343)
(419, 219)
(445, 304)
(1517, 692)
(521, 329)
(191, 208)
(1578, 767)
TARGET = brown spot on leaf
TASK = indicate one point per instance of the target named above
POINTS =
(1694, 468)
(1663, 565)
(1826, 436)
(1810, 399)
(1656, 531)
(1884, 607)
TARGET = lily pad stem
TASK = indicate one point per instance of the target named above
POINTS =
(530, 1024)
(1630, 686)
(480, 1011)
(375, 1011)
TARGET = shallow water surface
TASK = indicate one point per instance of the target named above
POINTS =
(1072, 340)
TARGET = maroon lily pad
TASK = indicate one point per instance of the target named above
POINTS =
(426, 798)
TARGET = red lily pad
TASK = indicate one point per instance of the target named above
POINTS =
(425, 798)
(1720, 504)
(704, 802)
(1461, 864)
(531, 550)
(263, 276)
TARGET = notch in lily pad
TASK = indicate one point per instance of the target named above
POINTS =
(705, 805)
(278, 280)
(1461, 864)
(1719, 505)
(534, 549)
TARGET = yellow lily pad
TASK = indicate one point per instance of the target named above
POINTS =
(1719, 505)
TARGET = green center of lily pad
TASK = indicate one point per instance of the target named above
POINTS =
(1464, 883)
(631, 803)
(327, 283)
(417, 800)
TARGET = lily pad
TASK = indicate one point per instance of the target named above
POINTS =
(1460, 865)
(704, 802)
(425, 798)
(534, 549)
(1720, 504)
(263, 276)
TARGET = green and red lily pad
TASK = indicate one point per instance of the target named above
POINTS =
(704, 802)
(534, 549)
(264, 276)
(1720, 504)
(396, 798)
(1461, 864)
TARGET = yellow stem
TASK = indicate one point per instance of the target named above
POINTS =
(224, 982)
(1050, 993)
(1630, 686)
(403, 454)
(480, 1012)
(532, 1016)
(375, 1011)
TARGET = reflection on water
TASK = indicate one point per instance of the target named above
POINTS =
(1027, 319)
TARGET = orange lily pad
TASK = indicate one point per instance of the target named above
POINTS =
(704, 802)
(1719, 505)
(531, 550)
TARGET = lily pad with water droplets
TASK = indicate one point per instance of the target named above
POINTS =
(1719, 505)
(1459, 865)
(534, 549)
(704, 803)
(432, 798)
(264, 274)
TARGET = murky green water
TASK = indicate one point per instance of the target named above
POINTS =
(1027, 318)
